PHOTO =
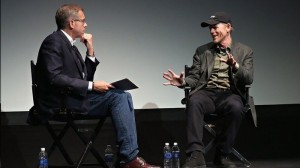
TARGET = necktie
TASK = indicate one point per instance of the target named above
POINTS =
(78, 55)
(79, 59)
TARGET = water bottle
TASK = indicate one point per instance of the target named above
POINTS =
(176, 155)
(109, 156)
(167, 156)
(43, 158)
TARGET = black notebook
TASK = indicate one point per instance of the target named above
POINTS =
(124, 84)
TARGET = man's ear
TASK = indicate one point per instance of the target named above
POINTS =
(71, 23)
(229, 27)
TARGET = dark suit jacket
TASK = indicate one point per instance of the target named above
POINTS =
(62, 76)
(203, 63)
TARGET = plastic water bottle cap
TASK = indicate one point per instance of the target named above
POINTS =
(167, 144)
(175, 143)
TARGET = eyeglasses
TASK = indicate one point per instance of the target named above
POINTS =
(80, 20)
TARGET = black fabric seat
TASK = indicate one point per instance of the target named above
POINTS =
(67, 119)
(210, 121)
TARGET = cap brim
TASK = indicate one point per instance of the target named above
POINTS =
(209, 22)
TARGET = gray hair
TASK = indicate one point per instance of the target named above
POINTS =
(64, 13)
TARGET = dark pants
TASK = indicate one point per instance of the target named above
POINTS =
(223, 102)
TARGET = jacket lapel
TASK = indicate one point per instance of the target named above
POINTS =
(210, 60)
(80, 62)
(77, 58)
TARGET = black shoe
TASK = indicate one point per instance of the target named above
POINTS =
(196, 160)
(223, 161)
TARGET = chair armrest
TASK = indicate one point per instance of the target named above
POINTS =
(186, 94)
(187, 88)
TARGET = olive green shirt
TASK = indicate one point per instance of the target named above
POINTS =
(219, 77)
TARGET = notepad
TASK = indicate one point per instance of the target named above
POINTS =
(124, 84)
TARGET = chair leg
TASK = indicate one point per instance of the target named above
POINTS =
(93, 137)
(212, 142)
(89, 143)
(241, 158)
(83, 155)
(57, 142)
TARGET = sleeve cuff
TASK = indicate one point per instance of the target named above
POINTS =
(92, 58)
(235, 67)
(183, 83)
(90, 87)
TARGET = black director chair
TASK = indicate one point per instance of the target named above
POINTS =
(68, 119)
(210, 119)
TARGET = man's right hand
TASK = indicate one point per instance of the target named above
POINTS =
(87, 40)
(101, 86)
(173, 78)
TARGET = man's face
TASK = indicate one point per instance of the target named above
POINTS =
(220, 32)
(79, 25)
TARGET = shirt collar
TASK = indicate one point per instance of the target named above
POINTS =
(72, 41)
(222, 50)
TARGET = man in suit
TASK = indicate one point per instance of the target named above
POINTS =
(64, 78)
(217, 78)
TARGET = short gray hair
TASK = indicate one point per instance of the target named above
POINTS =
(65, 12)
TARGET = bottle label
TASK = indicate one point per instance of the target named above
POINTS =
(108, 157)
(41, 162)
(168, 155)
(176, 155)
(46, 162)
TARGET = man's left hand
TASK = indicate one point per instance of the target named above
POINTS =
(230, 61)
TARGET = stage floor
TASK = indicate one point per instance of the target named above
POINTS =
(269, 164)
(274, 144)
(257, 164)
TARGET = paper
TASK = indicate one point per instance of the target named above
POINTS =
(124, 84)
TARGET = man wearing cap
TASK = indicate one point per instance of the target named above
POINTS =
(217, 79)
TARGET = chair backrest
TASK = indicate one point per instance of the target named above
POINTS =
(34, 118)
(63, 114)
(187, 70)
(33, 83)
(186, 89)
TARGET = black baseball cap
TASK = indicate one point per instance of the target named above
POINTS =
(218, 17)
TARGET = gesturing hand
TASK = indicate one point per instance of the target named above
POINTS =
(173, 78)
(230, 60)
